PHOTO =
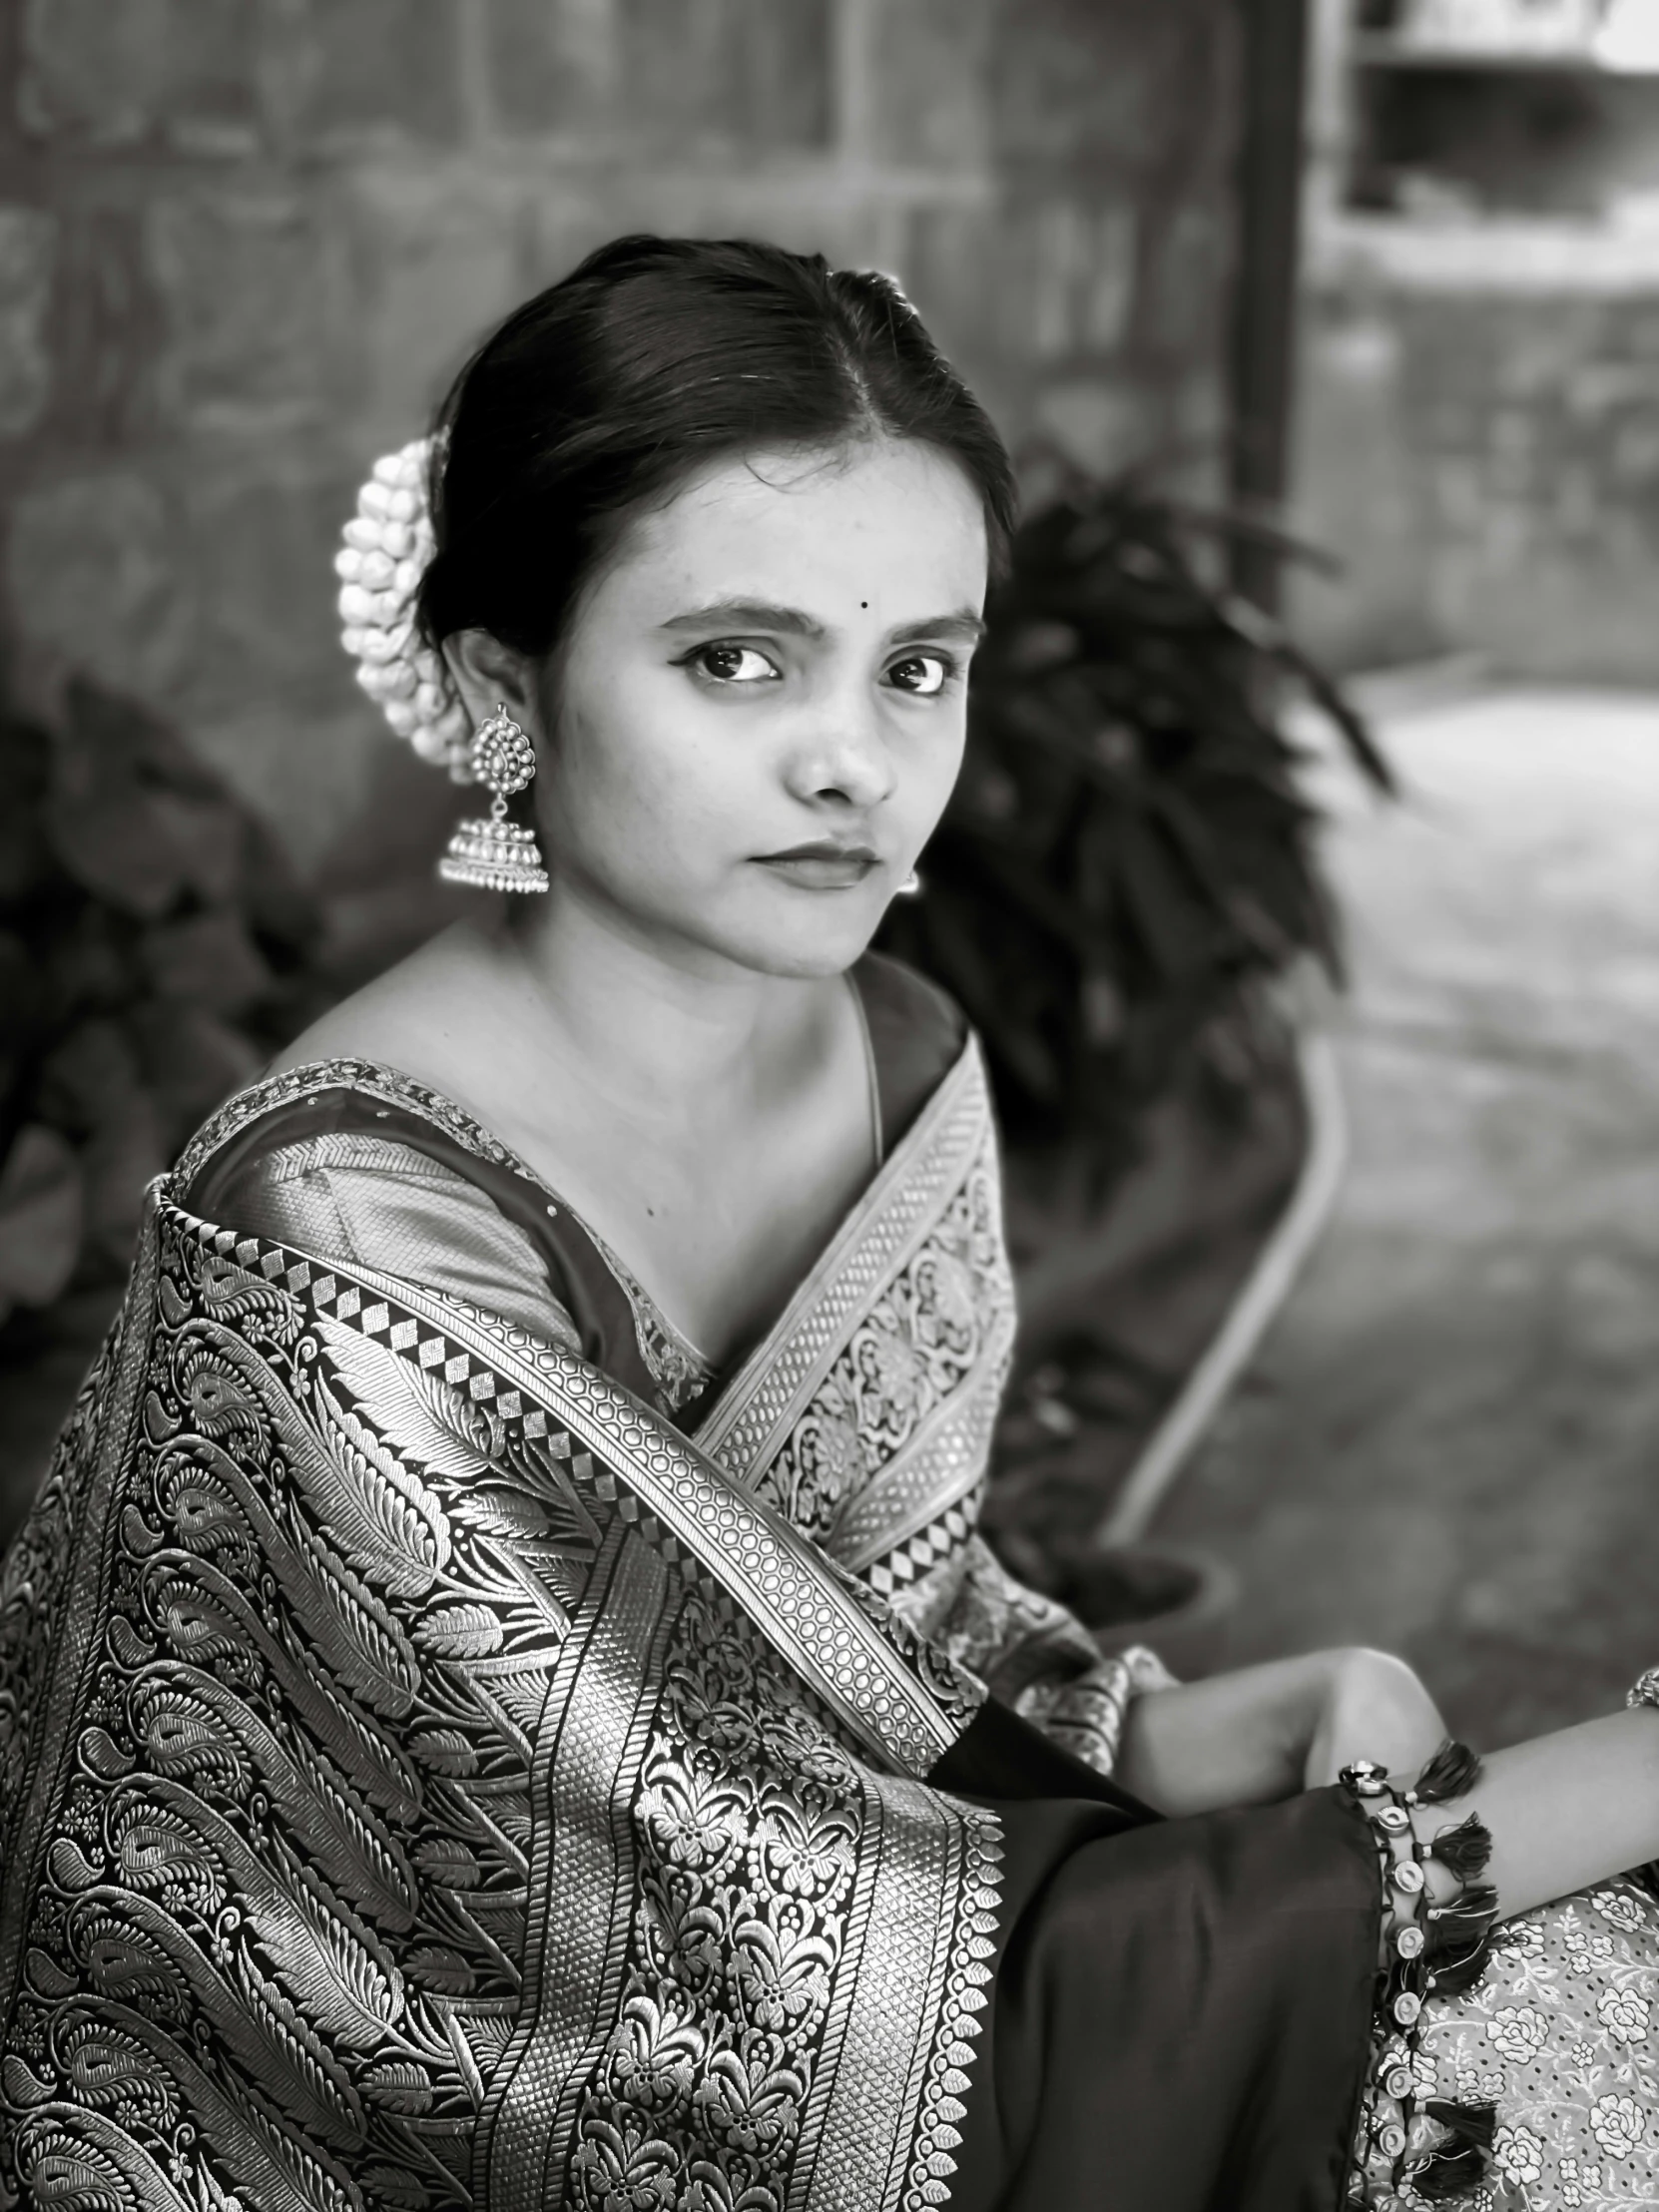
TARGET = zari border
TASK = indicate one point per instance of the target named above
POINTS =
(592, 1738)
(943, 1463)
(753, 1414)
(925, 1875)
(309, 1081)
(820, 1624)
(944, 2075)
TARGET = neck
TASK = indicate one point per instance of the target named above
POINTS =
(666, 1033)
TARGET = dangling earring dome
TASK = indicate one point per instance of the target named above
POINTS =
(495, 854)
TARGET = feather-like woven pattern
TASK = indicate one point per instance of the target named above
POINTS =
(353, 1636)
(196, 1726)
(80, 2161)
(202, 1612)
(385, 1535)
(129, 1944)
(414, 1411)
(332, 1966)
(281, 2174)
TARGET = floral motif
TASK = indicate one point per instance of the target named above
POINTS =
(828, 1456)
(917, 1348)
(1519, 2155)
(1624, 2015)
(1620, 1907)
(1518, 2033)
(892, 1374)
(1618, 2124)
(1582, 2076)
(687, 1821)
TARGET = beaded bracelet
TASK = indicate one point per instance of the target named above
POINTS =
(1436, 2145)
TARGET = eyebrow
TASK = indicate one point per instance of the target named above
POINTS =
(759, 614)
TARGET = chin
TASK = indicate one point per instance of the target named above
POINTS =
(822, 943)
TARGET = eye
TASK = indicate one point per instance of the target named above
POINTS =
(922, 675)
(733, 664)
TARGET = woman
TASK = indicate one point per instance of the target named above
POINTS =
(501, 1700)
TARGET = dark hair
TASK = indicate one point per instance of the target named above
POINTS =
(654, 357)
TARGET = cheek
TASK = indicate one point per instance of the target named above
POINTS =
(634, 780)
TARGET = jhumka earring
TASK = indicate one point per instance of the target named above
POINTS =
(499, 854)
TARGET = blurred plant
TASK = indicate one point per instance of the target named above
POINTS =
(1127, 863)
(153, 952)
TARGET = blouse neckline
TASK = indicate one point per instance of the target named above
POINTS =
(679, 1367)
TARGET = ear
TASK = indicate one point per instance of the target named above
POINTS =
(488, 675)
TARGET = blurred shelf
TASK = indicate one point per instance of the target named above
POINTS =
(1382, 50)
(1513, 255)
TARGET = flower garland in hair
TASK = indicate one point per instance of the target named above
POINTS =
(389, 542)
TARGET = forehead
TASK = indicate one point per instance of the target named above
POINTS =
(889, 521)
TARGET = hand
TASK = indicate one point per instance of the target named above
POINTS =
(1375, 1708)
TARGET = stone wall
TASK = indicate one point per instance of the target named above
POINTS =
(244, 243)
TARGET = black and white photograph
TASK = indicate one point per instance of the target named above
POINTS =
(829, 1105)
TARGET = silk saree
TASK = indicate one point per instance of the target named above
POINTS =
(455, 1750)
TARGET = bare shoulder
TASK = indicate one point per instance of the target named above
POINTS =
(420, 1017)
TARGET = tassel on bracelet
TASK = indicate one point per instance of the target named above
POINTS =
(1436, 2145)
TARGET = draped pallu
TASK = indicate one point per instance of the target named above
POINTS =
(428, 1777)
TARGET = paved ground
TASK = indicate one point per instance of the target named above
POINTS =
(1449, 1445)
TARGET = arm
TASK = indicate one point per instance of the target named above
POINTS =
(1245, 1738)
(1263, 1733)
(1565, 1811)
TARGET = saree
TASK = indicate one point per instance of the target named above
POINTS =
(430, 1775)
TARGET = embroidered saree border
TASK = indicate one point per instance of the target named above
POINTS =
(756, 1410)
(942, 1465)
(952, 1874)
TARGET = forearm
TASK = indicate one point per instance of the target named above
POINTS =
(1565, 1811)
(1263, 1733)
(1235, 1739)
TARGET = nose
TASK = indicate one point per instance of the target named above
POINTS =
(845, 756)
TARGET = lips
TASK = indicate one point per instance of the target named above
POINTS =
(823, 867)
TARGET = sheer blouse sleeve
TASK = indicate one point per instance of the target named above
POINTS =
(371, 1200)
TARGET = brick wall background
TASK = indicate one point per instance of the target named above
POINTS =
(244, 243)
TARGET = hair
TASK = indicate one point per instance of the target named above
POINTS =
(596, 398)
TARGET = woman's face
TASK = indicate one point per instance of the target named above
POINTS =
(762, 704)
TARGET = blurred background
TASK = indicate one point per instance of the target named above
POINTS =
(1322, 992)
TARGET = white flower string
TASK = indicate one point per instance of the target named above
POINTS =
(389, 542)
